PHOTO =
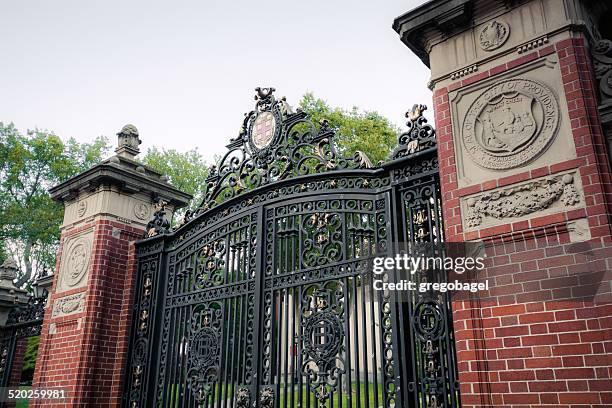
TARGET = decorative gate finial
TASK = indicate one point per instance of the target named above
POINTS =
(420, 135)
(274, 143)
(128, 141)
(159, 224)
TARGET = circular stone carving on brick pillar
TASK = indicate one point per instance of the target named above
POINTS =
(141, 211)
(510, 124)
(77, 262)
(493, 35)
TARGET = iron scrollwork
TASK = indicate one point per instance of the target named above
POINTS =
(419, 136)
(203, 349)
(274, 144)
(265, 297)
(602, 62)
(322, 239)
(323, 338)
(266, 397)
(159, 224)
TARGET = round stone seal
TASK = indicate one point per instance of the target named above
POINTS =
(510, 123)
(493, 35)
(263, 131)
(77, 262)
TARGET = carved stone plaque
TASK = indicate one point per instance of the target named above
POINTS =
(263, 131)
(68, 305)
(510, 123)
(493, 35)
(533, 198)
(75, 262)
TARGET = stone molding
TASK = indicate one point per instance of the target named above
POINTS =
(446, 47)
(530, 45)
(68, 305)
(542, 196)
(108, 200)
(465, 71)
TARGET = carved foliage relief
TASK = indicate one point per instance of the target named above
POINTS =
(510, 124)
(69, 305)
(541, 196)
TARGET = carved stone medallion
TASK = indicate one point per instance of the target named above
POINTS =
(510, 124)
(81, 208)
(493, 35)
(263, 131)
(141, 211)
(77, 262)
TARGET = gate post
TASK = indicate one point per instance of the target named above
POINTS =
(524, 167)
(85, 331)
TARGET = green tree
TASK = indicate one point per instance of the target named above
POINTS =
(186, 171)
(30, 164)
(369, 132)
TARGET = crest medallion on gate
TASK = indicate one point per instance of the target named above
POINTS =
(323, 338)
(265, 126)
(203, 349)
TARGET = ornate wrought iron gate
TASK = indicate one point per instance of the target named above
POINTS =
(265, 298)
(23, 322)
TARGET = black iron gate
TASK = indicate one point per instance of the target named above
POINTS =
(265, 297)
(19, 343)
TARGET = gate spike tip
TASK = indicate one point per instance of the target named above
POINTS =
(264, 93)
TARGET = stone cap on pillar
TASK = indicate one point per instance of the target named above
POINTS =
(122, 171)
(441, 16)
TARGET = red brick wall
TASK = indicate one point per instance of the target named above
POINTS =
(17, 366)
(86, 354)
(539, 337)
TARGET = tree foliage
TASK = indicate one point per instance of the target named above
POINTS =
(368, 132)
(186, 171)
(30, 164)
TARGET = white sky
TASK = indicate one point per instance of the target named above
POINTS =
(184, 72)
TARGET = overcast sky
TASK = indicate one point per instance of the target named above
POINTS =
(184, 72)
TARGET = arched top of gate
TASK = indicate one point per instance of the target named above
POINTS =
(276, 143)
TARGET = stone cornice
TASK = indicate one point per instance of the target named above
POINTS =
(441, 15)
(130, 176)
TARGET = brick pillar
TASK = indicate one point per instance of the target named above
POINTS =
(17, 366)
(537, 191)
(84, 335)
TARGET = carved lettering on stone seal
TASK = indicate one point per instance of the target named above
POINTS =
(510, 124)
(493, 35)
(523, 199)
(69, 305)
